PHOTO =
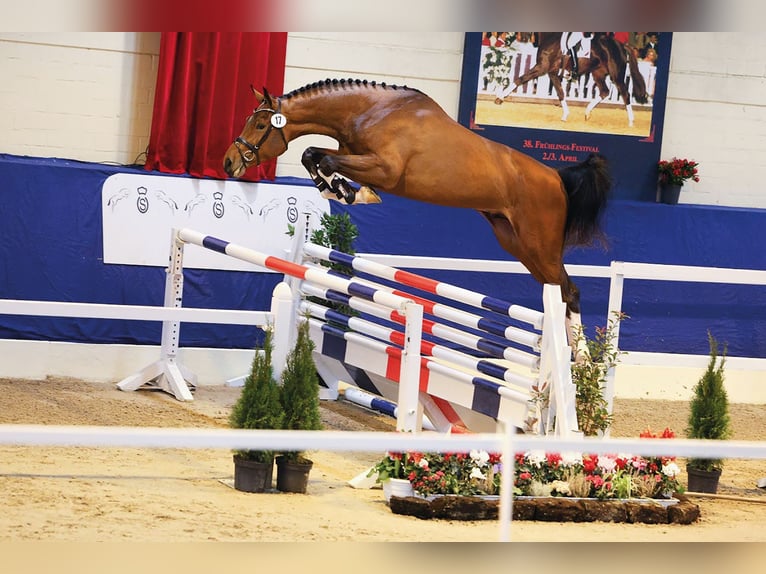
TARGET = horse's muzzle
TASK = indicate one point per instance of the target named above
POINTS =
(227, 166)
(233, 168)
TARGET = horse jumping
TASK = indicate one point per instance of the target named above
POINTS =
(398, 140)
(609, 57)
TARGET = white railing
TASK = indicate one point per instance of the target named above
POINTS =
(617, 273)
(342, 441)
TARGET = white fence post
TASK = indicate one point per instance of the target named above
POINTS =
(562, 394)
(409, 416)
(616, 284)
(283, 309)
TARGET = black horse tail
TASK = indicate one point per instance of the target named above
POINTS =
(587, 185)
(636, 77)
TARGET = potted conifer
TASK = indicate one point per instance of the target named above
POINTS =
(708, 419)
(300, 405)
(258, 407)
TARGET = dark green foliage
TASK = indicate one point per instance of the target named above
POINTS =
(259, 407)
(337, 232)
(300, 389)
(709, 409)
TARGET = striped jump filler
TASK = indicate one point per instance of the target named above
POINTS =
(483, 390)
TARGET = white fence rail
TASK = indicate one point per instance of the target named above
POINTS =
(505, 443)
(617, 273)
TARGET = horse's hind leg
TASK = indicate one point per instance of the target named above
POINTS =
(556, 83)
(543, 260)
(571, 295)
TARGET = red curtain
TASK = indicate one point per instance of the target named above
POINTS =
(203, 97)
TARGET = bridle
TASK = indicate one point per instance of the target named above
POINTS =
(251, 153)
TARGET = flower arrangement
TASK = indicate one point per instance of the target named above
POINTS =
(597, 476)
(466, 474)
(394, 465)
(477, 472)
(537, 473)
(677, 171)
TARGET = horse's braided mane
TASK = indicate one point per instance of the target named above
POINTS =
(351, 83)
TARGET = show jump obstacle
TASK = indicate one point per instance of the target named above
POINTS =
(467, 365)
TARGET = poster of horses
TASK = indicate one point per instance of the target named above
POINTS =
(559, 96)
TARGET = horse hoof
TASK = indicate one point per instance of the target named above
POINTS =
(367, 195)
(499, 101)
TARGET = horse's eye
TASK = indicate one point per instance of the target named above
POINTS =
(260, 126)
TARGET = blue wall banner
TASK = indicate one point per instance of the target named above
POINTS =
(520, 89)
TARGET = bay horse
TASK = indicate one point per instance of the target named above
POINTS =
(609, 57)
(398, 140)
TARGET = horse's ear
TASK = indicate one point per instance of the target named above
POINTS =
(257, 94)
(267, 97)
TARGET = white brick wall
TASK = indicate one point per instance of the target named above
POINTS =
(89, 96)
(431, 62)
(84, 96)
(716, 114)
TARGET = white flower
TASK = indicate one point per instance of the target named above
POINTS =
(670, 470)
(423, 463)
(561, 487)
(476, 473)
(536, 457)
(607, 463)
(480, 457)
(571, 458)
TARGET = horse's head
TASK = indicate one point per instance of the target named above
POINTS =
(261, 139)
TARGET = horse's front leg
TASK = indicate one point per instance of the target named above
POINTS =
(310, 160)
(357, 168)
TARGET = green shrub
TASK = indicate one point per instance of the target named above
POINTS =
(589, 376)
(300, 389)
(709, 409)
(259, 406)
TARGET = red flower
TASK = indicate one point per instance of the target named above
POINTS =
(647, 434)
(589, 463)
(595, 479)
(667, 433)
(677, 171)
(553, 458)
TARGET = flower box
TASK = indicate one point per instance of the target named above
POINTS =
(550, 509)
